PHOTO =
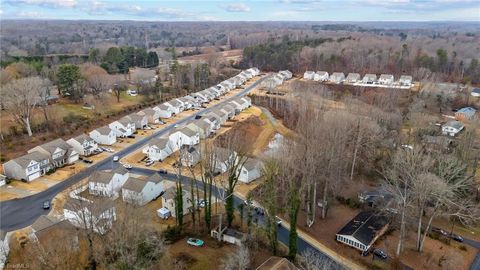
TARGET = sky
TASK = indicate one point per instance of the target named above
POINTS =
(267, 10)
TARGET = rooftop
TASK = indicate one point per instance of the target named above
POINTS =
(364, 226)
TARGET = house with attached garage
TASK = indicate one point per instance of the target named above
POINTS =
(159, 149)
(213, 120)
(369, 79)
(200, 97)
(187, 103)
(175, 106)
(214, 92)
(168, 200)
(386, 79)
(242, 102)
(203, 128)
(28, 167)
(286, 74)
(251, 170)
(140, 121)
(337, 77)
(123, 127)
(221, 88)
(466, 113)
(248, 100)
(309, 75)
(227, 85)
(59, 152)
(153, 116)
(163, 111)
(223, 116)
(236, 106)
(234, 81)
(405, 80)
(363, 230)
(229, 110)
(140, 192)
(97, 215)
(83, 145)
(452, 128)
(224, 159)
(321, 76)
(353, 78)
(190, 155)
(107, 183)
(184, 136)
(103, 135)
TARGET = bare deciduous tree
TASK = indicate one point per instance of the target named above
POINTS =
(238, 260)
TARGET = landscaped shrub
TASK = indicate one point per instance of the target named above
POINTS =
(172, 234)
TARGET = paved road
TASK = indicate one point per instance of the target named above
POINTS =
(22, 212)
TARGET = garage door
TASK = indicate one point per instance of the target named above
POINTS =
(34, 176)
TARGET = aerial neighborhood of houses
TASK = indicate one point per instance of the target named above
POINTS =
(371, 80)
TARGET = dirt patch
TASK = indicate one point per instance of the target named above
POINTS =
(246, 132)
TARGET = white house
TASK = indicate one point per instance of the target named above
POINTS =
(363, 230)
(103, 135)
(308, 75)
(242, 102)
(190, 155)
(60, 152)
(337, 77)
(452, 128)
(28, 167)
(353, 78)
(248, 100)
(236, 106)
(163, 110)
(187, 103)
(140, 121)
(123, 127)
(213, 120)
(107, 183)
(321, 76)
(229, 110)
(224, 159)
(83, 145)
(141, 192)
(200, 97)
(369, 78)
(184, 136)
(286, 74)
(97, 215)
(203, 128)
(221, 115)
(175, 106)
(405, 80)
(251, 170)
(386, 79)
(168, 200)
(3, 180)
(153, 116)
(159, 149)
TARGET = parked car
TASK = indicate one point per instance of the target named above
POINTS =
(195, 242)
(88, 161)
(198, 116)
(132, 93)
(439, 231)
(115, 158)
(456, 237)
(162, 171)
(380, 253)
(216, 98)
(46, 205)
(131, 136)
(127, 166)
(149, 163)
(175, 126)
(106, 149)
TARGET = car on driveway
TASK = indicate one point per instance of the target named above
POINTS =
(380, 253)
(149, 163)
(127, 166)
(46, 205)
(195, 242)
(88, 161)
(439, 231)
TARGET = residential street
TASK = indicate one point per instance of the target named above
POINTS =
(22, 212)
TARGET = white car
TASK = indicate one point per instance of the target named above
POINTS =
(132, 93)
(127, 166)
(115, 158)
(175, 126)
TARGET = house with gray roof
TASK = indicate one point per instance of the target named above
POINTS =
(405, 80)
(140, 121)
(309, 75)
(164, 111)
(123, 127)
(353, 78)
(190, 155)
(251, 170)
(386, 79)
(59, 152)
(97, 215)
(83, 145)
(107, 183)
(222, 115)
(213, 120)
(168, 200)
(153, 116)
(223, 159)
(175, 106)
(452, 128)
(229, 110)
(159, 149)
(337, 77)
(142, 191)
(184, 136)
(28, 167)
(369, 78)
(103, 135)
(466, 113)
(203, 128)
(321, 76)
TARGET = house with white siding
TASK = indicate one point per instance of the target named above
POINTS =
(369, 78)
(187, 103)
(200, 97)
(405, 80)
(251, 170)
(221, 115)
(83, 145)
(321, 76)
(203, 128)
(97, 215)
(452, 128)
(142, 191)
(168, 200)
(175, 106)
(229, 110)
(287, 74)
(159, 149)
(337, 77)
(123, 127)
(184, 136)
(103, 135)
(59, 152)
(386, 79)
(153, 116)
(163, 111)
(107, 183)
(353, 78)
(223, 159)
(308, 75)
(140, 121)
(190, 155)
(213, 120)
(28, 167)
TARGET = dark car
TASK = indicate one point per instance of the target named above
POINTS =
(46, 205)
(456, 237)
(380, 253)
(366, 252)
(162, 171)
(89, 161)
(198, 116)
(131, 136)
(439, 231)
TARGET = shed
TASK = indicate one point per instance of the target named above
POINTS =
(164, 213)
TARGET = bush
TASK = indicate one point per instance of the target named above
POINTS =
(172, 234)
(72, 118)
(463, 247)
